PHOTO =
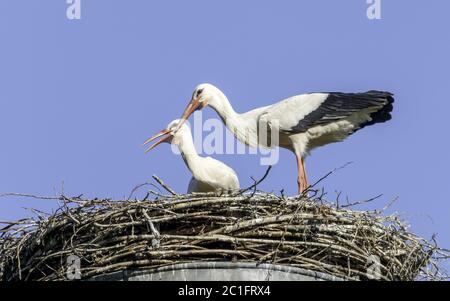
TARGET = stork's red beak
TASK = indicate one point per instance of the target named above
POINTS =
(166, 138)
(193, 105)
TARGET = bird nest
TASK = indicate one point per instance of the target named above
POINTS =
(304, 232)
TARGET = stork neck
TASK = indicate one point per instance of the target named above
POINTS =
(242, 127)
(223, 107)
(188, 152)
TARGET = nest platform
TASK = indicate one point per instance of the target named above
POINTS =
(299, 232)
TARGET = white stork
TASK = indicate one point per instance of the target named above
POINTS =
(304, 121)
(208, 174)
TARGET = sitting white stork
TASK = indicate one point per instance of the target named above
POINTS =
(208, 174)
(304, 121)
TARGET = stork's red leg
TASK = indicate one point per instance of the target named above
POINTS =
(301, 178)
(305, 176)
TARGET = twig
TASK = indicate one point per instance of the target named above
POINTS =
(328, 174)
(164, 185)
(361, 202)
(30, 196)
(256, 183)
(136, 188)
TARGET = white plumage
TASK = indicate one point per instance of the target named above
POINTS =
(304, 121)
(208, 174)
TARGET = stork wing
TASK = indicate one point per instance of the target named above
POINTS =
(300, 113)
(217, 174)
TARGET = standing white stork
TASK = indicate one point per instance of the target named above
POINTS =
(208, 174)
(304, 121)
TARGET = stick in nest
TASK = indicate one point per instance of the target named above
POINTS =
(164, 185)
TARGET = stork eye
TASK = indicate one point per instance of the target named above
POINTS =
(199, 92)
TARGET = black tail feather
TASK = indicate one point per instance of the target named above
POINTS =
(384, 113)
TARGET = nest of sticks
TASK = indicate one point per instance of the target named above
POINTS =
(249, 226)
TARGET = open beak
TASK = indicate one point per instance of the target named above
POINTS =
(193, 105)
(166, 138)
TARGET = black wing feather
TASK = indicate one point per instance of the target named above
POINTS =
(341, 105)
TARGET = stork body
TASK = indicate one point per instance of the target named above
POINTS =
(304, 122)
(208, 174)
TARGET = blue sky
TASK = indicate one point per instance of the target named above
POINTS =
(78, 97)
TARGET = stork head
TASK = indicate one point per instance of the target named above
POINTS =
(173, 134)
(204, 95)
